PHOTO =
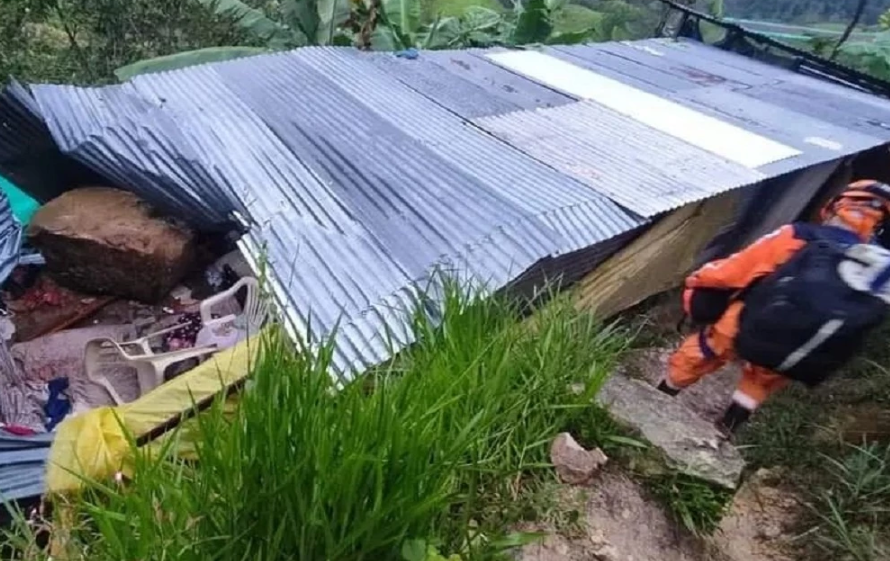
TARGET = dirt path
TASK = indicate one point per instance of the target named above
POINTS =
(623, 523)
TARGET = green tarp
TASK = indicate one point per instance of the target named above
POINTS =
(23, 206)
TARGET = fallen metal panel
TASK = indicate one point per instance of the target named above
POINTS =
(10, 238)
(22, 465)
(136, 144)
(647, 171)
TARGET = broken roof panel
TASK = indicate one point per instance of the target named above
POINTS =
(359, 175)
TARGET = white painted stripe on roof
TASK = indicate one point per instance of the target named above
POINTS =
(706, 132)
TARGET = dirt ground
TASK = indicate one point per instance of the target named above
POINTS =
(623, 523)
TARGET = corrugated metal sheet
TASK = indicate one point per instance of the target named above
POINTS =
(357, 199)
(644, 169)
(22, 465)
(360, 175)
(768, 100)
(10, 238)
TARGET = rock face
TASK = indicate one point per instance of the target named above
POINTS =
(689, 442)
(574, 464)
(106, 241)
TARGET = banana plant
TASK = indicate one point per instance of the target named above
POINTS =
(390, 25)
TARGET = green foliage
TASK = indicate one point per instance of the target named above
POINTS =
(94, 41)
(804, 11)
(188, 58)
(804, 433)
(86, 40)
(439, 445)
(872, 57)
(855, 510)
(254, 22)
(696, 504)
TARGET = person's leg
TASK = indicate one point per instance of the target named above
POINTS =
(756, 385)
(700, 354)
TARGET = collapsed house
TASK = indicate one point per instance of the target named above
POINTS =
(354, 179)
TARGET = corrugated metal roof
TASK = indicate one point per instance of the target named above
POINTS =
(644, 169)
(359, 175)
(771, 101)
(357, 198)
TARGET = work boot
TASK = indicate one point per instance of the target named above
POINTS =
(665, 388)
(734, 417)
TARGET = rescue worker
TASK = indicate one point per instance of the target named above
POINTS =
(716, 292)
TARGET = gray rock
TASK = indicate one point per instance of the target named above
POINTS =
(574, 464)
(690, 443)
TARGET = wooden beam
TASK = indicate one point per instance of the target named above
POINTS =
(656, 261)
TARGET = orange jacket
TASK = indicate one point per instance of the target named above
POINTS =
(742, 268)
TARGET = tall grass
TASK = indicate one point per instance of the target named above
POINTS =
(438, 445)
(855, 511)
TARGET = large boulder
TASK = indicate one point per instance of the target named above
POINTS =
(106, 241)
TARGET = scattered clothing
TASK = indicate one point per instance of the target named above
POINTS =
(57, 403)
(18, 430)
(185, 336)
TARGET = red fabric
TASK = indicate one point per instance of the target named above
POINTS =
(18, 430)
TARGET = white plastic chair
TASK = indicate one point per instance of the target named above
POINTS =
(215, 335)
(104, 353)
(230, 329)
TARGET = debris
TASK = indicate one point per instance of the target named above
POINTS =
(689, 442)
(7, 329)
(47, 308)
(574, 464)
(606, 553)
(57, 405)
(100, 240)
(18, 430)
(183, 295)
(236, 262)
(61, 356)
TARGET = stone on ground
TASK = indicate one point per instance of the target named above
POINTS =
(106, 241)
(690, 443)
(574, 464)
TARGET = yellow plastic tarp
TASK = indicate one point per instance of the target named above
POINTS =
(94, 445)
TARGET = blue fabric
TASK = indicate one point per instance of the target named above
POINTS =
(706, 349)
(57, 405)
(410, 53)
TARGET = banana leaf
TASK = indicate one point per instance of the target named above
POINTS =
(276, 35)
(332, 14)
(533, 24)
(182, 60)
(403, 13)
(303, 13)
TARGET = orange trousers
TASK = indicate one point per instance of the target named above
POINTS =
(710, 350)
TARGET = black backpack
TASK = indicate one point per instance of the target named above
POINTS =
(810, 316)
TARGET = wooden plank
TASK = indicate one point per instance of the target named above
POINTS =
(656, 261)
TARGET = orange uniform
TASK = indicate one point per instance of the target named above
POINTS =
(712, 348)
(859, 210)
